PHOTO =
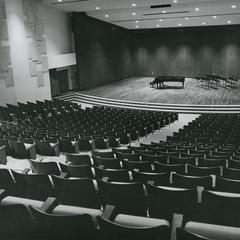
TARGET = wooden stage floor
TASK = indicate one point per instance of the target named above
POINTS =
(138, 89)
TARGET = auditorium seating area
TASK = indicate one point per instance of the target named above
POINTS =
(174, 189)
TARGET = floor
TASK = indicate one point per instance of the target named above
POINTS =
(137, 89)
(183, 119)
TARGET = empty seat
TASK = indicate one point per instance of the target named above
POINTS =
(85, 144)
(178, 168)
(68, 146)
(234, 164)
(7, 182)
(231, 173)
(108, 154)
(127, 197)
(113, 175)
(140, 166)
(77, 192)
(128, 156)
(21, 150)
(227, 185)
(77, 159)
(182, 160)
(154, 158)
(211, 163)
(46, 149)
(111, 163)
(186, 181)
(203, 171)
(81, 171)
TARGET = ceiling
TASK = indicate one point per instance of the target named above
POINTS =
(138, 14)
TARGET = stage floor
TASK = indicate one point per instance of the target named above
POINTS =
(138, 89)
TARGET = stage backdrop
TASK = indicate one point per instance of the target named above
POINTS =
(107, 53)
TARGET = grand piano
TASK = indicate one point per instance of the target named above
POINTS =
(159, 81)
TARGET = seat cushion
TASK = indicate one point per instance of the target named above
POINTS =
(214, 232)
(135, 221)
(71, 210)
(17, 200)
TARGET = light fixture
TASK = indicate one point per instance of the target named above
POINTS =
(229, 22)
(197, 9)
(134, 4)
(175, 1)
(160, 20)
(137, 27)
(179, 24)
(214, 17)
(59, 0)
(106, 15)
(134, 14)
(97, 8)
(203, 23)
(186, 18)
(136, 21)
(157, 25)
(234, 6)
(164, 11)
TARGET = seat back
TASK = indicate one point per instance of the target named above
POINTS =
(211, 163)
(203, 171)
(66, 146)
(178, 168)
(227, 185)
(108, 154)
(231, 173)
(110, 163)
(77, 171)
(44, 148)
(19, 149)
(140, 166)
(154, 158)
(77, 159)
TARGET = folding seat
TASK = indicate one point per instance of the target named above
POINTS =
(6, 181)
(134, 148)
(186, 181)
(227, 185)
(165, 201)
(112, 175)
(111, 163)
(203, 171)
(211, 163)
(182, 160)
(140, 166)
(113, 141)
(195, 155)
(108, 154)
(128, 156)
(44, 167)
(128, 198)
(126, 227)
(231, 173)
(100, 143)
(47, 149)
(50, 139)
(3, 155)
(77, 159)
(178, 168)
(211, 157)
(77, 192)
(81, 171)
(154, 158)
(67, 146)
(71, 226)
(122, 150)
(158, 178)
(33, 186)
(222, 154)
(175, 154)
(234, 164)
(21, 150)
(220, 208)
(124, 137)
(85, 144)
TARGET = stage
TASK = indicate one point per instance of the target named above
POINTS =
(138, 89)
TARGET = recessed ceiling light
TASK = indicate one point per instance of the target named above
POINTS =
(97, 8)
(175, 1)
(186, 18)
(203, 23)
(197, 9)
(137, 27)
(134, 4)
(134, 14)
(234, 6)
(160, 20)
(136, 21)
(214, 17)
(106, 15)
(157, 25)
(229, 22)
(164, 11)
(179, 24)
(59, 0)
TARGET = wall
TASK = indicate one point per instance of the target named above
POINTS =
(103, 51)
(188, 51)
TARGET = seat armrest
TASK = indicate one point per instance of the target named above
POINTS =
(3, 155)
(25, 171)
(105, 179)
(177, 221)
(76, 147)
(3, 194)
(63, 174)
(49, 205)
(108, 212)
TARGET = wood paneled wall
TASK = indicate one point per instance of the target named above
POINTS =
(188, 52)
(103, 51)
(107, 53)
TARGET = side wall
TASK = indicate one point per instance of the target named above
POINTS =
(103, 51)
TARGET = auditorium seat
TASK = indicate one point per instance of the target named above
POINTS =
(182, 160)
(6, 181)
(211, 163)
(112, 175)
(47, 149)
(77, 192)
(100, 142)
(77, 159)
(234, 164)
(128, 156)
(227, 185)
(68, 146)
(108, 154)
(111, 163)
(127, 197)
(165, 201)
(178, 168)
(203, 171)
(3, 155)
(21, 150)
(186, 181)
(85, 144)
(231, 173)
(140, 166)
(78, 171)
(154, 158)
